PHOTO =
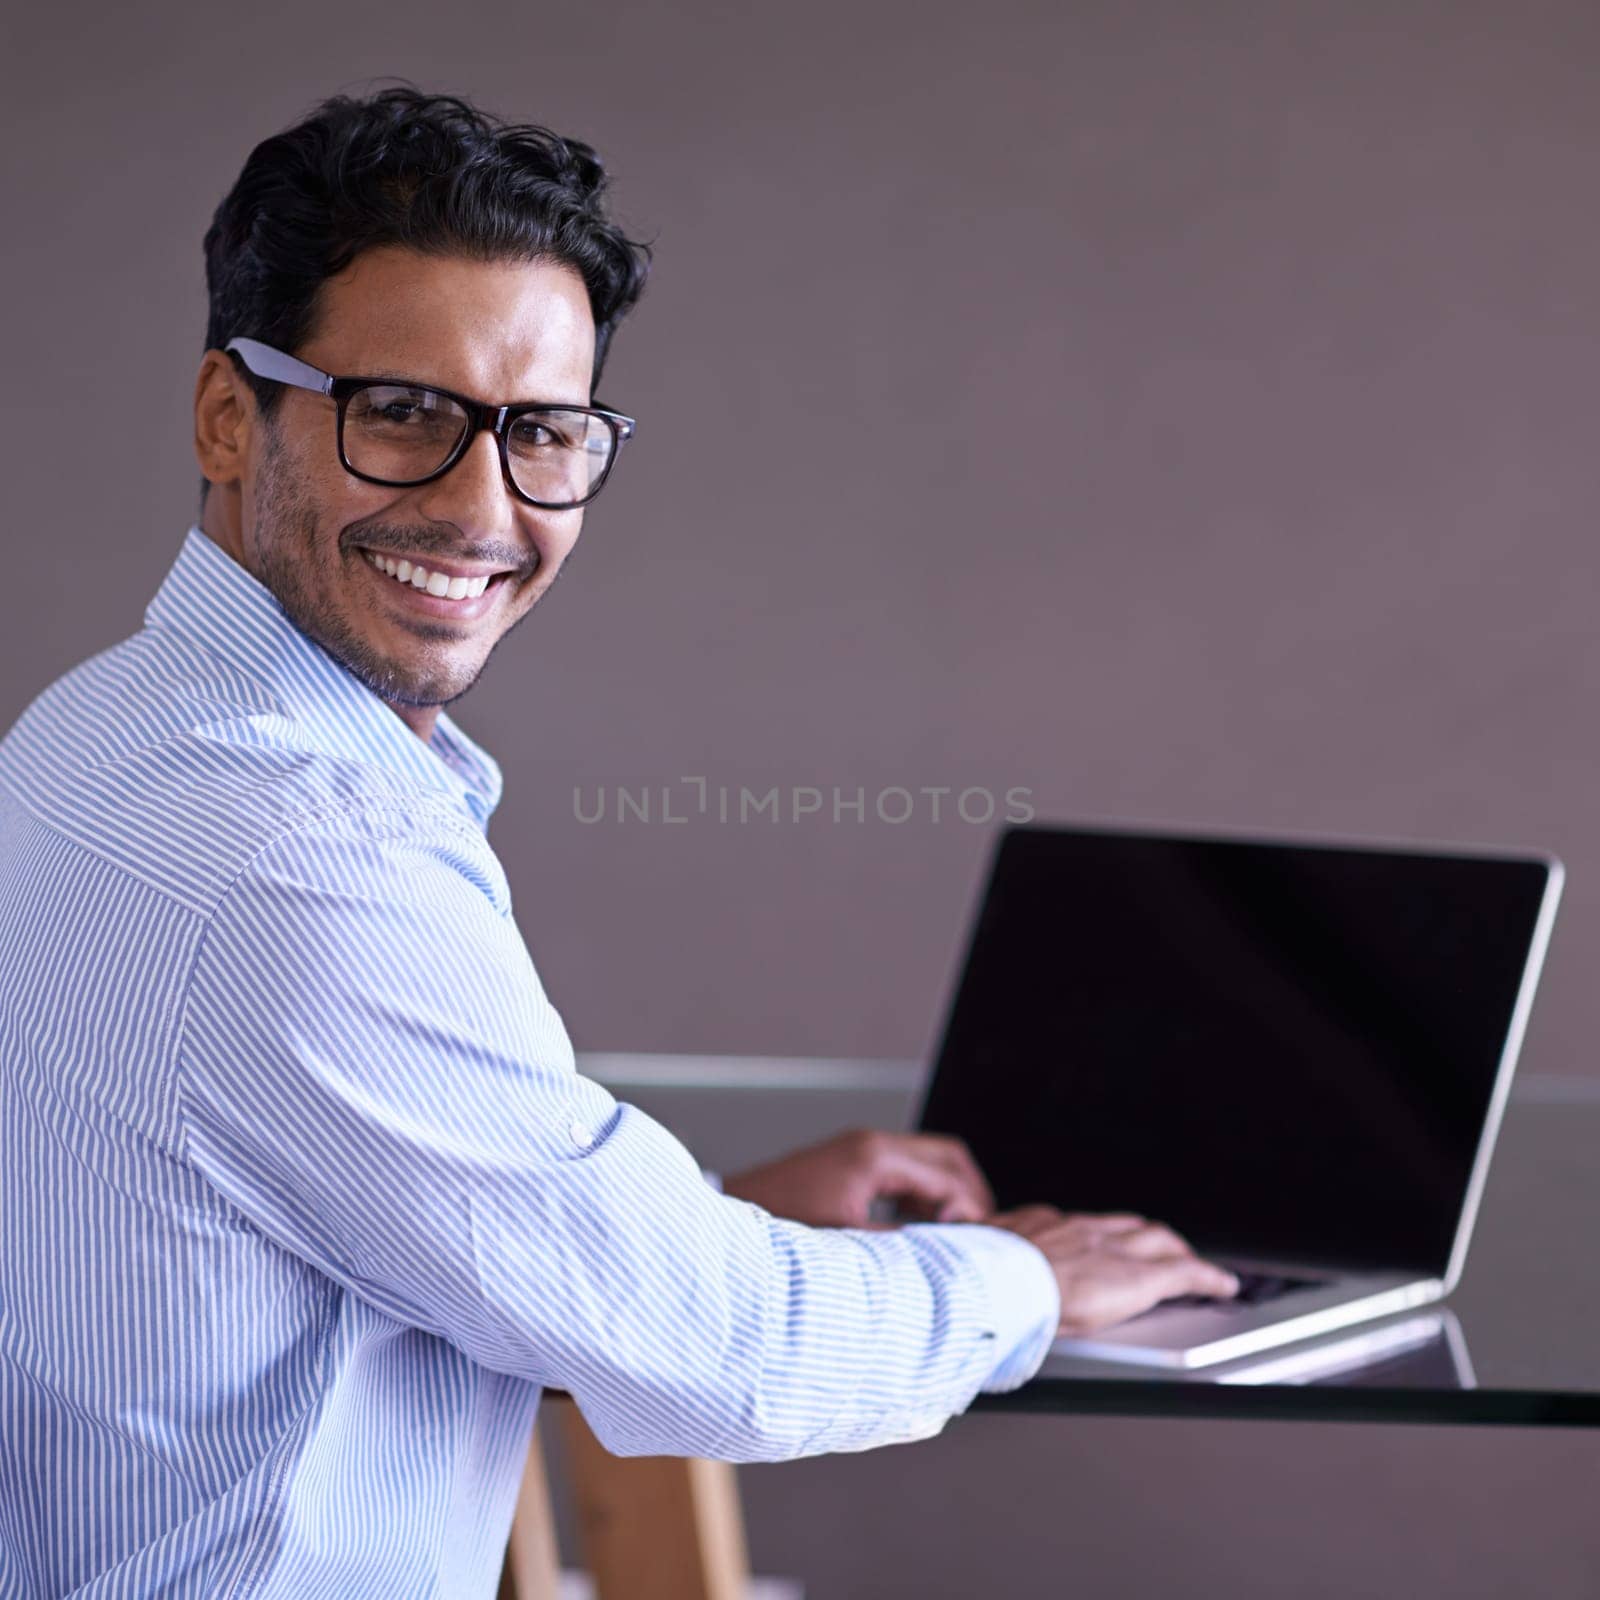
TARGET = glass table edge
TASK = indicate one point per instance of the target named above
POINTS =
(1297, 1402)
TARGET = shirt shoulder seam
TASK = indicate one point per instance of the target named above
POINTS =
(166, 891)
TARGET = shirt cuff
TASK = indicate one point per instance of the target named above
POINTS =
(1024, 1300)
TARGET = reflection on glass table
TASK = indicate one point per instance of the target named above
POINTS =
(1424, 1349)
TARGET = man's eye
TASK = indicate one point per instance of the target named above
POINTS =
(552, 433)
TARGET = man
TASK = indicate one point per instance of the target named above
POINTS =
(301, 1197)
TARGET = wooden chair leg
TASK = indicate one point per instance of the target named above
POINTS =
(669, 1527)
(533, 1564)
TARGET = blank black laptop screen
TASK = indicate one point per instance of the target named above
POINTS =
(1280, 1050)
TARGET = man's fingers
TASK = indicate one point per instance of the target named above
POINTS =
(1151, 1239)
(906, 1166)
(1202, 1277)
(1109, 1228)
(1164, 1279)
(1185, 1274)
(953, 1155)
(1114, 1219)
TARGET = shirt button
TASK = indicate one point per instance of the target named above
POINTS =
(580, 1136)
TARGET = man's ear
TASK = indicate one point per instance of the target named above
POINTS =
(224, 418)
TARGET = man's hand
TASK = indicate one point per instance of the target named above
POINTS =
(1111, 1266)
(834, 1184)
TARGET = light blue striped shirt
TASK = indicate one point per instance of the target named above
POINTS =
(302, 1199)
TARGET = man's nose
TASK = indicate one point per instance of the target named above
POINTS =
(474, 494)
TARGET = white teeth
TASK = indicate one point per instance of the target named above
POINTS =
(436, 583)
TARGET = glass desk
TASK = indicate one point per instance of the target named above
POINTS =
(1518, 1342)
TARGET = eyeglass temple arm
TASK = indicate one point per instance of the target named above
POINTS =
(266, 362)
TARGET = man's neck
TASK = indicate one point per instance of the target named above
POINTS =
(419, 719)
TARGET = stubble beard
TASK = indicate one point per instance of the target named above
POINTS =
(307, 578)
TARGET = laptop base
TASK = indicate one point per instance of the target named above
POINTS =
(1201, 1336)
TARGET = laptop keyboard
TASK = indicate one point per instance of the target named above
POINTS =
(1255, 1289)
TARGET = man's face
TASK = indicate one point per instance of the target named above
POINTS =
(496, 332)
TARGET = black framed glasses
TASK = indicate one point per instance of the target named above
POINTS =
(398, 433)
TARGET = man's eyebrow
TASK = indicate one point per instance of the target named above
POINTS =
(410, 379)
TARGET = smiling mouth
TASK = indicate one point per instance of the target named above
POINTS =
(437, 585)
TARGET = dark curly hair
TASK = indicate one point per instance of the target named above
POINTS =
(402, 167)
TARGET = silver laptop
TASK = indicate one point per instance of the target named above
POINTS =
(1294, 1052)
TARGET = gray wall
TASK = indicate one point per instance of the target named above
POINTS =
(1231, 381)
(1230, 376)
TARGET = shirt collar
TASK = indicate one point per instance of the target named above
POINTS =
(211, 598)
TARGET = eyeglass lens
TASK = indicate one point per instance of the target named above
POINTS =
(401, 433)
